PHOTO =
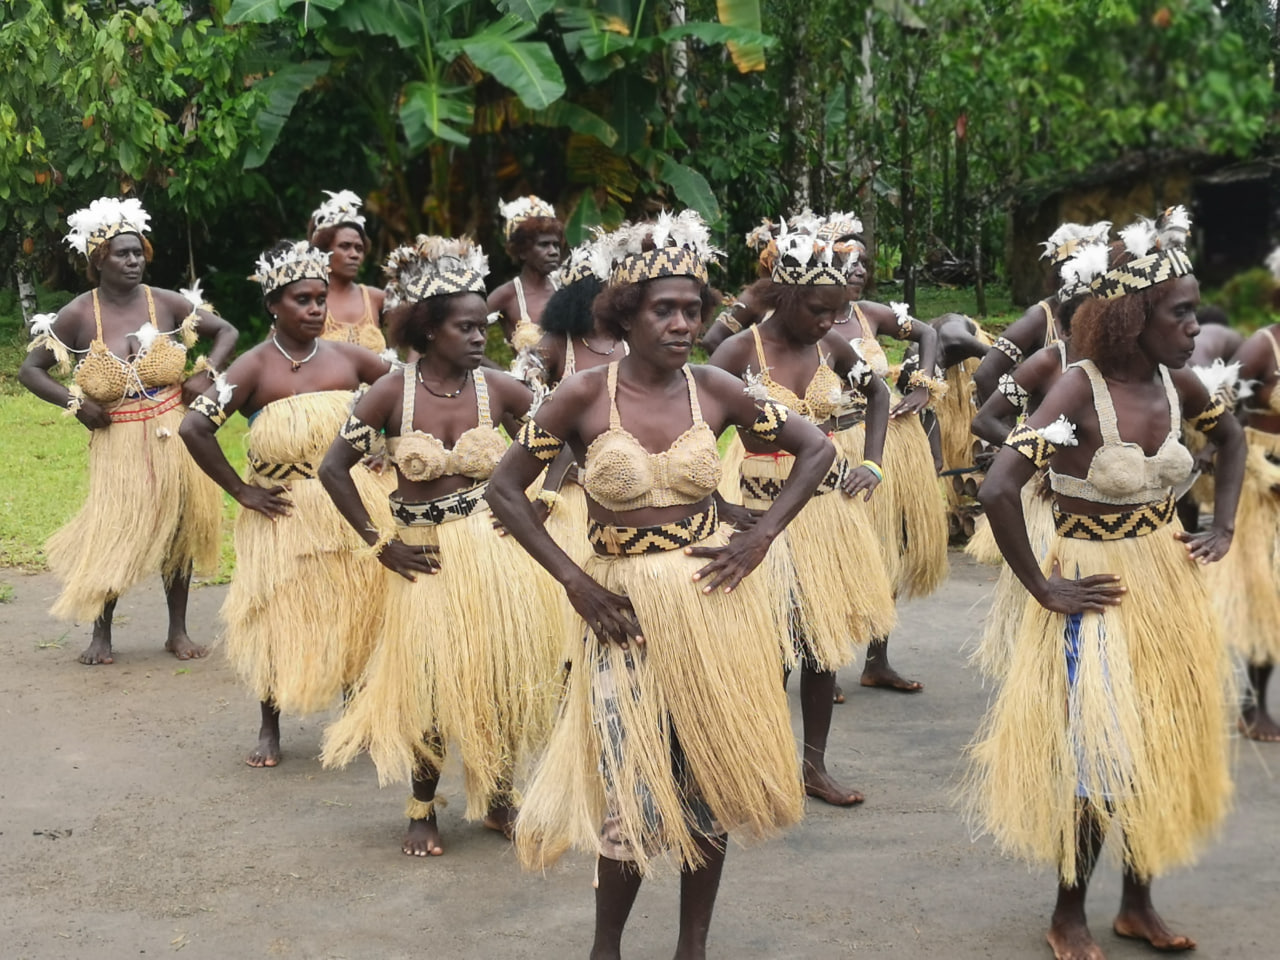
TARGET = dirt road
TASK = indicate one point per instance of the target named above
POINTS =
(129, 826)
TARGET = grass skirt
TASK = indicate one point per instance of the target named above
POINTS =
(955, 412)
(303, 608)
(908, 509)
(1203, 490)
(730, 468)
(843, 594)
(1245, 584)
(150, 510)
(708, 670)
(472, 653)
(568, 528)
(1009, 600)
(1142, 731)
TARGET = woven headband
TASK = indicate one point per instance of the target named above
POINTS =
(446, 282)
(657, 263)
(1142, 273)
(807, 275)
(300, 262)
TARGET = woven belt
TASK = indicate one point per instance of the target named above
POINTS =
(847, 421)
(1137, 522)
(301, 470)
(770, 488)
(133, 409)
(619, 541)
(455, 506)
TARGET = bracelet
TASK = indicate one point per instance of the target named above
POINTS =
(550, 498)
(1008, 348)
(75, 400)
(937, 388)
(202, 365)
(374, 550)
(905, 319)
(416, 809)
(874, 468)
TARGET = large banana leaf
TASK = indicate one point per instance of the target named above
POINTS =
(529, 10)
(397, 19)
(747, 56)
(526, 68)
(282, 89)
(690, 187)
(430, 109)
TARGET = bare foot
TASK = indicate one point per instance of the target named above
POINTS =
(180, 646)
(889, 679)
(1254, 723)
(98, 651)
(837, 694)
(1140, 924)
(820, 784)
(422, 839)
(502, 819)
(266, 753)
(1071, 940)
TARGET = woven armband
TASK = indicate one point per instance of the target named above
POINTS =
(1008, 348)
(769, 422)
(1012, 391)
(362, 437)
(1210, 416)
(904, 320)
(210, 408)
(1028, 442)
(729, 320)
(544, 445)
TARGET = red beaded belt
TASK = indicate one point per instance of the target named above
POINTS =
(133, 409)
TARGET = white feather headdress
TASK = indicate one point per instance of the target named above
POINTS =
(1089, 262)
(521, 209)
(672, 245)
(341, 207)
(434, 266)
(299, 261)
(103, 219)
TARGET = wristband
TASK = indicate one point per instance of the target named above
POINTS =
(874, 468)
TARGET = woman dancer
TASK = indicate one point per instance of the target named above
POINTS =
(1115, 711)
(469, 653)
(150, 509)
(909, 510)
(534, 237)
(353, 310)
(1247, 584)
(298, 632)
(842, 593)
(652, 738)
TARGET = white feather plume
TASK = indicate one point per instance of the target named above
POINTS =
(146, 335)
(1273, 263)
(1139, 237)
(341, 207)
(759, 238)
(755, 387)
(103, 212)
(1173, 226)
(1061, 433)
(1064, 234)
(1090, 261)
(194, 295)
(225, 390)
(1219, 378)
(42, 324)
(901, 311)
(806, 221)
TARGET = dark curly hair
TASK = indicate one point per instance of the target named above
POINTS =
(324, 237)
(409, 324)
(99, 254)
(624, 301)
(569, 309)
(522, 238)
(785, 298)
(1106, 331)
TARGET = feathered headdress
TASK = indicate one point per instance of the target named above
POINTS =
(588, 259)
(521, 209)
(1158, 251)
(673, 245)
(1273, 263)
(103, 219)
(1070, 237)
(300, 261)
(1089, 262)
(805, 260)
(341, 207)
(840, 226)
(434, 267)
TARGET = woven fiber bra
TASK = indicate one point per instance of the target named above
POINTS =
(106, 378)
(571, 361)
(822, 397)
(622, 475)
(1273, 401)
(867, 344)
(364, 332)
(421, 458)
(1121, 472)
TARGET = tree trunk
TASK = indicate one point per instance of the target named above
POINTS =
(679, 57)
(906, 191)
(797, 156)
(958, 232)
(979, 284)
(26, 294)
(867, 168)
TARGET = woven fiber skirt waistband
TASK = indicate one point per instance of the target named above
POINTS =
(619, 541)
(847, 421)
(302, 470)
(133, 409)
(1138, 522)
(770, 488)
(453, 506)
